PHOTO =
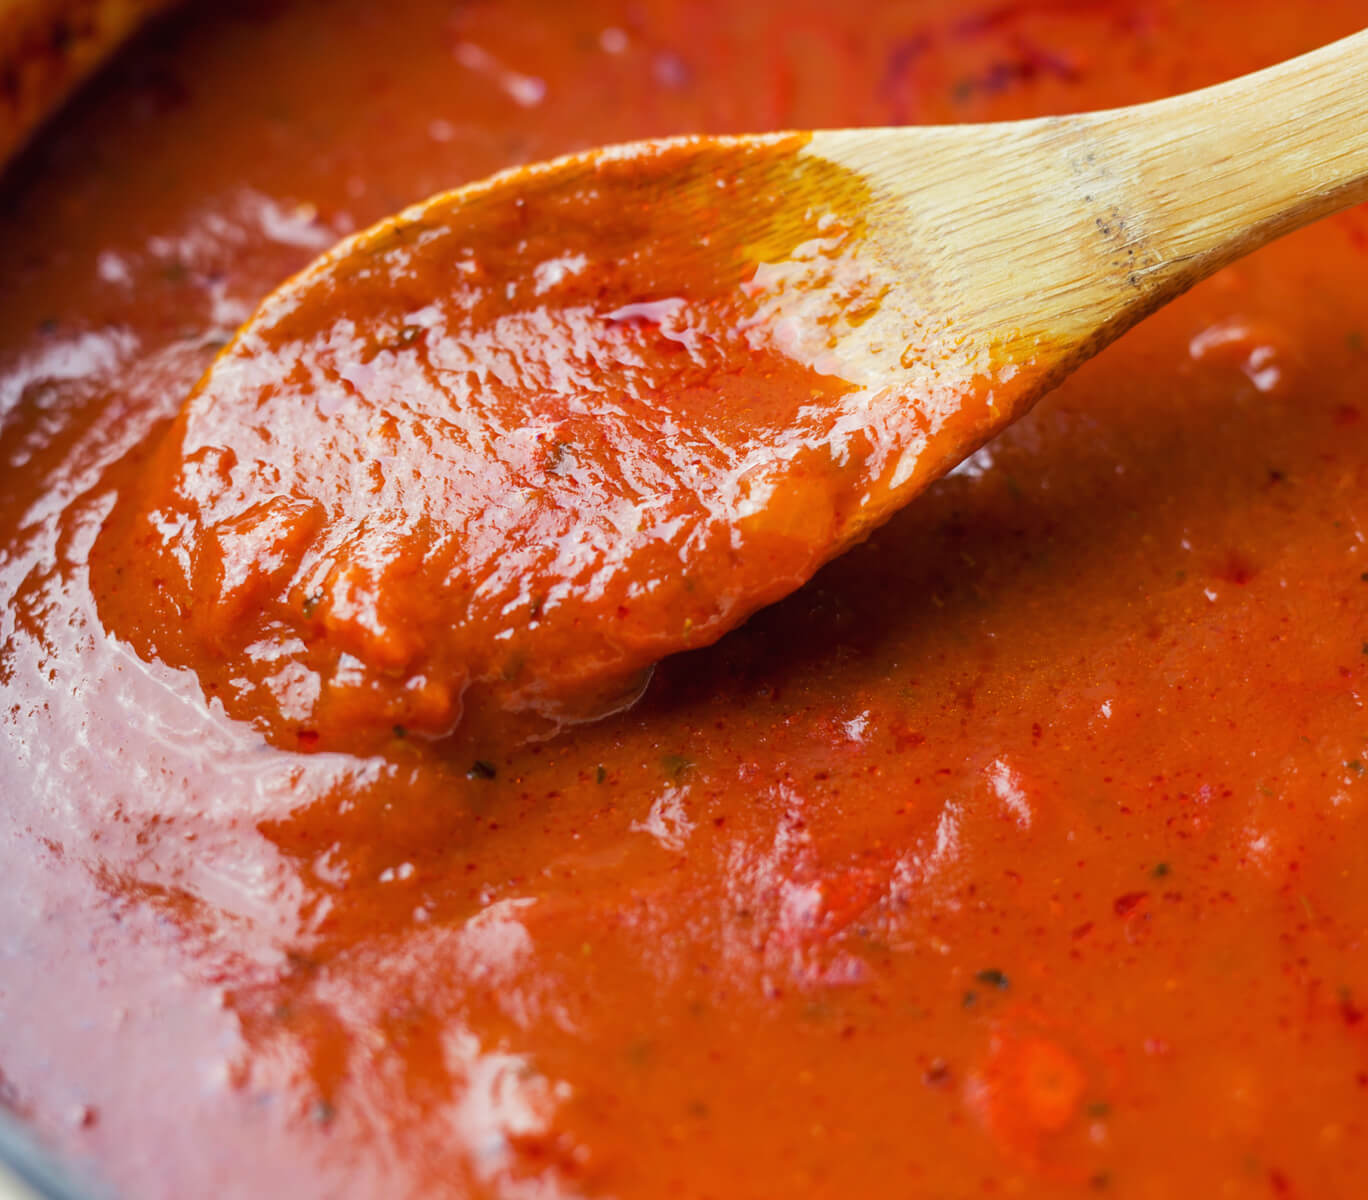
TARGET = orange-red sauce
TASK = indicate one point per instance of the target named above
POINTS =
(1018, 854)
(511, 448)
(479, 467)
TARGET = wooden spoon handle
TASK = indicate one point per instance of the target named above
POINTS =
(1232, 167)
(1044, 240)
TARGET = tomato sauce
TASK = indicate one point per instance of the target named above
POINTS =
(1015, 854)
(515, 447)
(478, 468)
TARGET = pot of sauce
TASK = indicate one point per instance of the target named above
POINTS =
(1021, 841)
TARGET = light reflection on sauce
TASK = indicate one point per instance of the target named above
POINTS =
(495, 457)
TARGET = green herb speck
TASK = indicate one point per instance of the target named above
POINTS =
(480, 769)
(676, 764)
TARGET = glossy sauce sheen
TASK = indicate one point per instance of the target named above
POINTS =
(1019, 853)
(521, 448)
(478, 468)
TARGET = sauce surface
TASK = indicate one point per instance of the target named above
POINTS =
(514, 446)
(478, 468)
(1017, 854)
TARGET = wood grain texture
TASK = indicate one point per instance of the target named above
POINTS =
(47, 47)
(1062, 232)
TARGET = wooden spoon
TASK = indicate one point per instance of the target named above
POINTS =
(501, 452)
